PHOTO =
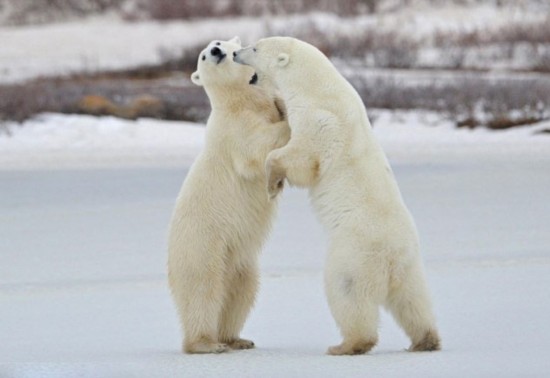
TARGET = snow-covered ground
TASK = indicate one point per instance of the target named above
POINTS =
(82, 255)
(56, 141)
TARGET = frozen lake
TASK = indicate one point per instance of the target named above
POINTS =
(83, 289)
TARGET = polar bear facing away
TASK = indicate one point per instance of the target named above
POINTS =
(373, 257)
(222, 214)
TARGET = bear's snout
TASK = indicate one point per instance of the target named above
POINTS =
(218, 53)
(242, 56)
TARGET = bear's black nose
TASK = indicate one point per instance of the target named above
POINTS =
(215, 51)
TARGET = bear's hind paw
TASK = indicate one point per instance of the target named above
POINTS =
(429, 343)
(241, 344)
(347, 348)
(202, 347)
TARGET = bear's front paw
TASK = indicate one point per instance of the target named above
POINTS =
(275, 178)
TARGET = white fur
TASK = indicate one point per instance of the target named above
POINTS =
(222, 214)
(373, 258)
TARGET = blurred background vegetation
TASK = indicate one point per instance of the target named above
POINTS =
(398, 54)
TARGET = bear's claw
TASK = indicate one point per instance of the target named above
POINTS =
(275, 179)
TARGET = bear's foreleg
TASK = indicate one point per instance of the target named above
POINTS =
(294, 163)
(250, 160)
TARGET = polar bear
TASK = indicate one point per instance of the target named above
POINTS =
(222, 214)
(373, 258)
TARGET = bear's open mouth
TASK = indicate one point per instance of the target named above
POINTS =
(220, 58)
(253, 79)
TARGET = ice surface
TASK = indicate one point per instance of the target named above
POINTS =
(82, 260)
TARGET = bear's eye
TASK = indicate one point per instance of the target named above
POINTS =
(203, 57)
(218, 43)
(254, 49)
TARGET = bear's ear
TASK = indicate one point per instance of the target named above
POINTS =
(283, 59)
(196, 79)
(236, 40)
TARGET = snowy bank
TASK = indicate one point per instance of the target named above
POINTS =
(73, 141)
(63, 141)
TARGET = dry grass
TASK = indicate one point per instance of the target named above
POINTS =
(470, 101)
(120, 88)
(128, 98)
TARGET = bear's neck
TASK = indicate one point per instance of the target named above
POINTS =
(230, 97)
(294, 88)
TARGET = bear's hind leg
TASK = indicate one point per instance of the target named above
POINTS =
(200, 319)
(199, 301)
(355, 311)
(358, 327)
(242, 286)
(410, 306)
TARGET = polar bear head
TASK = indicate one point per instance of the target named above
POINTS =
(215, 65)
(268, 55)
(285, 61)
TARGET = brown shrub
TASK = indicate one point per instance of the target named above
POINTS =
(503, 122)
(118, 96)
(468, 122)
(471, 100)
(140, 106)
(96, 105)
(146, 106)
